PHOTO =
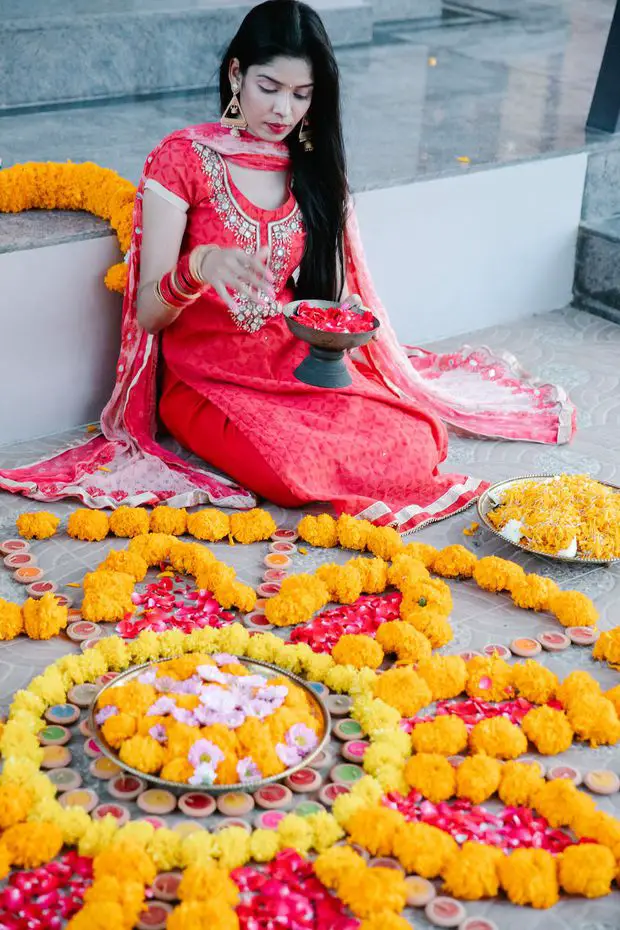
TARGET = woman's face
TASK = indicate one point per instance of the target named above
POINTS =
(274, 97)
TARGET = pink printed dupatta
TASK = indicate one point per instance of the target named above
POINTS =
(125, 464)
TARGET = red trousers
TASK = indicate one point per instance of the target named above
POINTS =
(207, 432)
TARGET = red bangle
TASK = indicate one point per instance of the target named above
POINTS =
(178, 288)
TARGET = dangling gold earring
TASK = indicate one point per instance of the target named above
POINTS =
(305, 135)
(236, 121)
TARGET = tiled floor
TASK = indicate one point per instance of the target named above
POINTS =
(496, 81)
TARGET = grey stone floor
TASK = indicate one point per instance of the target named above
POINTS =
(495, 81)
(570, 347)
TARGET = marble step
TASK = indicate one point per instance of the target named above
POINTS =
(57, 54)
(597, 269)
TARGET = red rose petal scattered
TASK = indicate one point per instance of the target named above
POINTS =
(334, 319)
(365, 616)
(162, 606)
(286, 893)
(472, 711)
(44, 898)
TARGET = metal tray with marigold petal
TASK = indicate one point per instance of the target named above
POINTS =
(255, 667)
(491, 498)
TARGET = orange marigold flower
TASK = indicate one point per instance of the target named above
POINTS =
(384, 542)
(235, 594)
(613, 695)
(352, 533)
(431, 775)
(337, 863)
(134, 698)
(11, 620)
(39, 525)
(44, 618)
(557, 801)
(494, 574)
(209, 524)
(422, 551)
(168, 520)
(576, 686)
(548, 729)
(5, 861)
(198, 915)
(374, 829)
(206, 882)
(534, 682)
(435, 627)
(153, 547)
(424, 849)
(143, 753)
(529, 876)
(477, 778)
(129, 521)
(419, 597)
(472, 873)
(357, 650)
(377, 889)
(607, 646)
(498, 737)
(587, 870)
(403, 689)
(406, 569)
(445, 675)
(385, 920)
(446, 735)
(519, 783)
(489, 678)
(122, 560)
(107, 596)
(32, 844)
(534, 592)
(252, 526)
(404, 640)
(88, 525)
(15, 804)
(177, 769)
(321, 531)
(594, 718)
(124, 858)
(109, 889)
(373, 572)
(572, 608)
(454, 562)
(119, 728)
(344, 582)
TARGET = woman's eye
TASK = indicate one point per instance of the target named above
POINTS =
(268, 90)
(304, 97)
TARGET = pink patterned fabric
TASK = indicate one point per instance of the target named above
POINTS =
(392, 408)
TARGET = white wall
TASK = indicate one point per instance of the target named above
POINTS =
(59, 337)
(479, 249)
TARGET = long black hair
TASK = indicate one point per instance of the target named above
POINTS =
(291, 29)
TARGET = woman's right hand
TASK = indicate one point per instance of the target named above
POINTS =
(234, 270)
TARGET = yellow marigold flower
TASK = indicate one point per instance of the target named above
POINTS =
(529, 876)
(208, 882)
(319, 531)
(15, 804)
(431, 775)
(477, 778)
(32, 844)
(352, 533)
(143, 753)
(534, 592)
(88, 525)
(489, 679)
(252, 526)
(153, 547)
(607, 646)
(572, 608)
(295, 832)
(338, 863)
(26, 700)
(376, 890)
(327, 830)
(122, 560)
(234, 847)
(169, 520)
(422, 551)
(233, 638)
(11, 620)
(534, 682)
(40, 525)
(548, 729)
(373, 572)
(403, 689)
(73, 821)
(17, 740)
(129, 521)
(423, 849)
(385, 920)
(384, 542)
(343, 582)
(122, 859)
(126, 893)
(114, 651)
(357, 650)
(587, 870)
(454, 562)
(472, 873)
(374, 829)
(498, 737)
(405, 569)
(107, 596)
(432, 596)
(494, 574)
(519, 782)
(576, 686)
(404, 640)
(594, 718)
(44, 618)
(446, 735)
(264, 845)
(199, 848)
(98, 836)
(373, 715)
(197, 915)
(209, 524)
(445, 675)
